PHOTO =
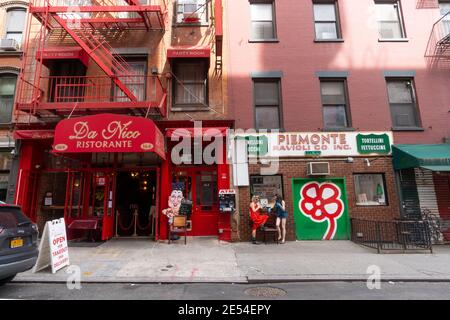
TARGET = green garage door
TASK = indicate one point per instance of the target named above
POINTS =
(320, 209)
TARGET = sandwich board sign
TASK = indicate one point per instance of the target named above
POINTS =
(53, 249)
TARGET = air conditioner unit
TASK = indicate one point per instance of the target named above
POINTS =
(9, 45)
(318, 168)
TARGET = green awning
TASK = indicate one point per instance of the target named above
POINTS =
(435, 157)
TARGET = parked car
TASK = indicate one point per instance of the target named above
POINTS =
(18, 242)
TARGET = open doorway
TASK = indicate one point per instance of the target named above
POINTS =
(136, 196)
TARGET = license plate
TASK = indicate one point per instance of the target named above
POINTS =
(16, 243)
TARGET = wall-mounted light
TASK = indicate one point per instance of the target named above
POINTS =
(350, 160)
(367, 162)
(154, 70)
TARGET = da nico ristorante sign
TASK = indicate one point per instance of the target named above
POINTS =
(53, 248)
(320, 209)
(108, 133)
(318, 144)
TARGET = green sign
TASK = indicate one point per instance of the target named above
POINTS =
(373, 143)
(257, 145)
(320, 209)
(313, 153)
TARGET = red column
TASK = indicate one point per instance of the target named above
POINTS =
(165, 188)
(29, 155)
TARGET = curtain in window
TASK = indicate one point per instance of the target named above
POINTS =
(135, 83)
(191, 84)
(262, 21)
(7, 90)
(15, 24)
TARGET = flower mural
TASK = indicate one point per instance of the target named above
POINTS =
(322, 202)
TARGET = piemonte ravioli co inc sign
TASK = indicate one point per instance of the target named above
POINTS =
(307, 144)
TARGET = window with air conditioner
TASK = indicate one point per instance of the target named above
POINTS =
(191, 11)
(15, 24)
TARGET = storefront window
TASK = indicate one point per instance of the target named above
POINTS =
(266, 187)
(370, 190)
(5, 165)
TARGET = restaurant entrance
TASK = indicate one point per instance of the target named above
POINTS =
(199, 185)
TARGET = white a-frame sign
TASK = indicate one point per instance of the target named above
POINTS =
(53, 249)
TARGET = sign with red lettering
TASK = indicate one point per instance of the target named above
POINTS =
(53, 248)
(108, 133)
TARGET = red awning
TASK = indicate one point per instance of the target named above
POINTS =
(108, 133)
(33, 134)
(58, 53)
(189, 52)
(196, 132)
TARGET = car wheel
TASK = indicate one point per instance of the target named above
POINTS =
(6, 280)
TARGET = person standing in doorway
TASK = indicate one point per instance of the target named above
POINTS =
(279, 209)
(256, 216)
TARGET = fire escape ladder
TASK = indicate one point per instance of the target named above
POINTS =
(101, 53)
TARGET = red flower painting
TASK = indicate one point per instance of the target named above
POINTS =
(321, 202)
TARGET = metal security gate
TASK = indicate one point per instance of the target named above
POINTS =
(409, 197)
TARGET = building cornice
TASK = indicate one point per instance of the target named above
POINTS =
(14, 3)
(9, 69)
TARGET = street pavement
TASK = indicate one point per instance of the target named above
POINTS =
(206, 260)
(225, 291)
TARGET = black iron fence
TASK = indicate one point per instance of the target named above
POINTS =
(392, 235)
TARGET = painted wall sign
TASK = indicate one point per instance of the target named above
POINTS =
(108, 133)
(304, 144)
(320, 209)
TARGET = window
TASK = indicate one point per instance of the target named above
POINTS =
(326, 21)
(190, 83)
(5, 165)
(334, 103)
(389, 20)
(266, 187)
(267, 103)
(263, 21)
(191, 11)
(370, 190)
(444, 8)
(403, 105)
(7, 91)
(137, 83)
(15, 23)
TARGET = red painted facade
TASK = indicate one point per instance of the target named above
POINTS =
(92, 113)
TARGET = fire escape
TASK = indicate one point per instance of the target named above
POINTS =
(89, 26)
(438, 48)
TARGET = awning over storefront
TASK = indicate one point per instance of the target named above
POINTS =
(58, 53)
(176, 133)
(435, 157)
(108, 133)
(188, 52)
(33, 134)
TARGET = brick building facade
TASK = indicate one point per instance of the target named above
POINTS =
(345, 66)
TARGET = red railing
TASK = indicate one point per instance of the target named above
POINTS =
(95, 89)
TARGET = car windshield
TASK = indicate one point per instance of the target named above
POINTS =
(11, 217)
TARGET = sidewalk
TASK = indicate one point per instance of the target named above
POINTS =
(207, 260)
